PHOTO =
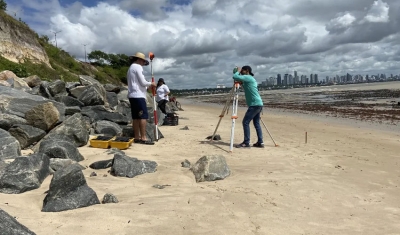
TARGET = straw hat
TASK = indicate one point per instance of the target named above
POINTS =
(141, 56)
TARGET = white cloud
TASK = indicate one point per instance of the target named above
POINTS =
(379, 12)
(197, 44)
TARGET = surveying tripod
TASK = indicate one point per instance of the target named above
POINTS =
(234, 94)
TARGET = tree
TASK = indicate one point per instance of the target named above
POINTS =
(3, 5)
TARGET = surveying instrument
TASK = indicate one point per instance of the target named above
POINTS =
(234, 97)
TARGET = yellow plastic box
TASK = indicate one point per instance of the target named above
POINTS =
(104, 144)
(121, 145)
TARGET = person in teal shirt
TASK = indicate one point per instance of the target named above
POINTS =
(254, 102)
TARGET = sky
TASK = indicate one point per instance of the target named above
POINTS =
(197, 43)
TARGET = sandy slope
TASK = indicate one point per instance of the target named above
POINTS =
(345, 180)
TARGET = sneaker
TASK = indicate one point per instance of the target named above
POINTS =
(258, 145)
(242, 145)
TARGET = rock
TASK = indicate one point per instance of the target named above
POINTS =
(185, 128)
(69, 101)
(8, 120)
(44, 116)
(112, 88)
(104, 164)
(71, 110)
(124, 166)
(123, 96)
(77, 91)
(93, 95)
(70, 85)
(69, 190)
(33, 81)
(24, 174)
(10, 226)
(93, 174)
(4, 83)
(210, 168)
(6, 74)
(216, 137)
(44, 90)
(18, 102)
(185, 164)
(124, 108)
(19, 83)
(56, 148)
(109, 198)
(57, 88)
(3, 165)
(87, 80)
(9, 146)
(74, 128)
(59, 163)
(26, 135)
(107, 128)
(99, 112)
(112, 99)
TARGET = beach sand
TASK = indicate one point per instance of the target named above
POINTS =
(345, 180)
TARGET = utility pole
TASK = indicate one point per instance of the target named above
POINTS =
(84, 45)
(55, 36)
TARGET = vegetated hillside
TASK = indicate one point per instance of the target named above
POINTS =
(63, 65)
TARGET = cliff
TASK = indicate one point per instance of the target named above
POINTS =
(19, 43)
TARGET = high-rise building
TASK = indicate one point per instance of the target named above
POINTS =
(285, 79)
(316, 78)
(279, 79)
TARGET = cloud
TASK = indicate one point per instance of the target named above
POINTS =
(379, 12)
(197, 42)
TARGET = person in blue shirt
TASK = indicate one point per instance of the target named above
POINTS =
(254, 102)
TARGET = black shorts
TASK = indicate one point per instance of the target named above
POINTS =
(139, 108)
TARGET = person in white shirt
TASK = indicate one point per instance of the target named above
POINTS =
(162, 95)
(137, 94)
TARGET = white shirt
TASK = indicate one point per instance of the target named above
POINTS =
(137, 84)
(161, 92)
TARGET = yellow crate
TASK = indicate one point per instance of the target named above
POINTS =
(121, 145)
(104, 144)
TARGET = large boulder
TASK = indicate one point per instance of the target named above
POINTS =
(24, 174)
(69, 190)
(9, 146)
(88, 80)
(10, 226)
(104, 164)
(57, 148)
(99, 112)
(57, 88)
(211, 168)
(69, 101)
(33, 81)
(18, 102)
(112, 99)
(107, 128)
(93, 95)
(19, 83)
(26, 135)
(124, 166)
(8, 120)
(44, 90)
(44, 116)
(123, 95)
(7, 74)
(77, 91)
(74, 128)
(112, 88)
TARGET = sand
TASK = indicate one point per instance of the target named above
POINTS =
(345, 180)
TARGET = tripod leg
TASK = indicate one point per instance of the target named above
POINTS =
(268, 132)
(229, 98)
(234, 115)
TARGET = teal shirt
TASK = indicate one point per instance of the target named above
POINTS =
(253, 98)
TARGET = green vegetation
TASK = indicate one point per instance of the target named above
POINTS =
(106, 68)
(3, 5)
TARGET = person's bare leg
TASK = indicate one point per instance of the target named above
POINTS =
(142, 123)
(136, 128)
